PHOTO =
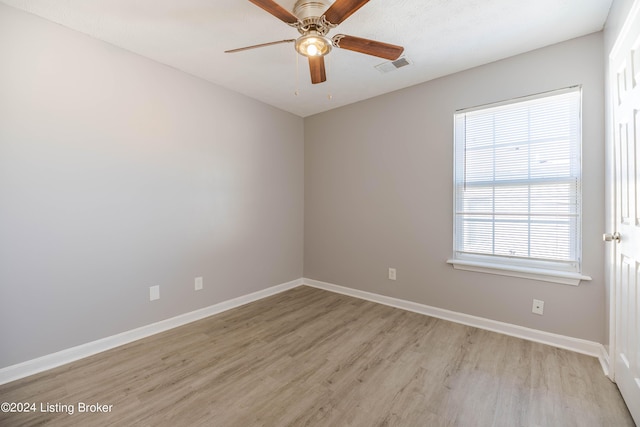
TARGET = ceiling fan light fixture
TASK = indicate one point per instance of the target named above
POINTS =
(313, 45)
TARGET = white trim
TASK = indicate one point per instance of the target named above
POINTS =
(605, 362)
(40, 364)
(562, 277)
(626, 27)
(49, 361)
(525, 98)
(577, 345)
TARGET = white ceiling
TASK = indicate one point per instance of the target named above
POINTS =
(440, 37)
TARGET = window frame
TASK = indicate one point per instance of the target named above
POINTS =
(550, 271)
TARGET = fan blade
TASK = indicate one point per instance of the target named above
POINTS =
(276, 10)
(316, 66)
(368, 47)
(342, 9)
(240, 49)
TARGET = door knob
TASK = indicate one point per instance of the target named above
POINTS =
(615, 237)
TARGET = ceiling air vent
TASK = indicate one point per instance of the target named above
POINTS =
(385, 67)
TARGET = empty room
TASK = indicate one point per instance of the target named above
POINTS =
(319, 213)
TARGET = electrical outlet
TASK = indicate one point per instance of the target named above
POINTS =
(392, 274)
(154, 293)
(538, 307)
(199, 283)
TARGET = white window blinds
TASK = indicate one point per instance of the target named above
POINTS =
(518, 184)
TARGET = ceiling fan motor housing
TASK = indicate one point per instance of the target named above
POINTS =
(305, 9)
(311, 16)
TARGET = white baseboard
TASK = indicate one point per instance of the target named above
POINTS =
(34, 366)
(604, 362)
(40, 364)
(577, 345)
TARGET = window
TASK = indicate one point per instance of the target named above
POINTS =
(517, 184)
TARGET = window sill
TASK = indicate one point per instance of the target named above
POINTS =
(565, 278)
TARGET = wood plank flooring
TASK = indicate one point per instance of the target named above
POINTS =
(308, 357)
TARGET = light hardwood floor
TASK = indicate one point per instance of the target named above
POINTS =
(311, 357)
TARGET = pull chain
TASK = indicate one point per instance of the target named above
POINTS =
(329, 85)
(297, 74)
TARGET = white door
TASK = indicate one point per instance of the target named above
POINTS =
(624, 63)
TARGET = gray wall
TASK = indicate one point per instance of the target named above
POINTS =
(116, 174)
(378, 193)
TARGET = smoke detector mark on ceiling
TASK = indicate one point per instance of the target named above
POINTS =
(386, 67)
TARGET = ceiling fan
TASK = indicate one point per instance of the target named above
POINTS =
(314, 19)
